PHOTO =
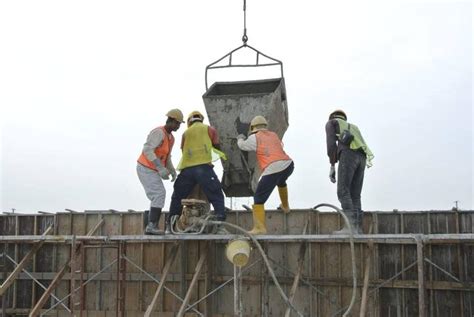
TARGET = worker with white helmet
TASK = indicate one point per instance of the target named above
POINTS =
(155, 165)
(346, 145)
(276, 167)
(200, 147)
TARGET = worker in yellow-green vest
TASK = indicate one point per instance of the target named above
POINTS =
(346, 145)
(200, 147)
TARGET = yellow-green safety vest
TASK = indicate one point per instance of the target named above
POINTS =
(358, 142)
(197, 148)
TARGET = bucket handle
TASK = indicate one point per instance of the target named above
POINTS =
(257, 62)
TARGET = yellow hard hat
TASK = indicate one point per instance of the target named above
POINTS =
(258, 123)
(338, 113)
(175, 114)
(195, 116)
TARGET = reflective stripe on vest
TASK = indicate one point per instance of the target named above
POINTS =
(197, 148)
(269, 149)
(162, 152)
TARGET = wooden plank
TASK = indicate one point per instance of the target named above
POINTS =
(363, 305)
(296, 280)
(11, 278)
(208, 281)
(237, 293)
(58, 277)
(266, 285)
(133, 224)
(73, 267)
(421, 279)
(197, 272)
(168, 264)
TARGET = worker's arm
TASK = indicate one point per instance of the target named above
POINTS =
(214, 138)
(154, 140)
(170, 167)
(331, 140)
(248, 145)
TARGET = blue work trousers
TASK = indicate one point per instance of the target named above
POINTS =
(268, 183)
(205, 176)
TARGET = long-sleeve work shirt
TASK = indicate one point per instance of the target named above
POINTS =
(153, 141)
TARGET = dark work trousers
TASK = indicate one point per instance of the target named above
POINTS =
(268, 182)
(349, 182)
(205, 176)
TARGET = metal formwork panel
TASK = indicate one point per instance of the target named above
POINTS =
(230, 107)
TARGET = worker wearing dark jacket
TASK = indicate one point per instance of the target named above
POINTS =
(346, 145)
(155, 165)
(200, 147)
(276, 167)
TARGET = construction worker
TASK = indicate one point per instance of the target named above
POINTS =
(155, 165)
(276, 167)
(200, 147)
(346, 145)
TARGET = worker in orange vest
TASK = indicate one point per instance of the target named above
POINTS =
(155, 165)
(276, 167)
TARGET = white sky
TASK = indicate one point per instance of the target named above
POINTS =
(83, 82)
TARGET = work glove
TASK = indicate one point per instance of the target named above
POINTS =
(164, 173)
(173, 175)
(332, 174)
(241, 137)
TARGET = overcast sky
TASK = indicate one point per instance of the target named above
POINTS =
(83, 82)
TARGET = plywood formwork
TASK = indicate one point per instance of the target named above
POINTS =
(417, 259)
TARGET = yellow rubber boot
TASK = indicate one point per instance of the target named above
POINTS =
(259, 227)
(283, 191)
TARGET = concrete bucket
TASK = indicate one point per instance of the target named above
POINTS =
(230, 107)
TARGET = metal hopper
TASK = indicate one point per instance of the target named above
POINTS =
(230, 107)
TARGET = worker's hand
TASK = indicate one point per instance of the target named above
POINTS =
(173, 175)
(241, 137)
(332, 174)
(164, 173)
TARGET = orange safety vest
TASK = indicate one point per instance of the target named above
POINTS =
(162, 152)
(269, 149)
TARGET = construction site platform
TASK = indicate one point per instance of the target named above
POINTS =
(99, 263)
